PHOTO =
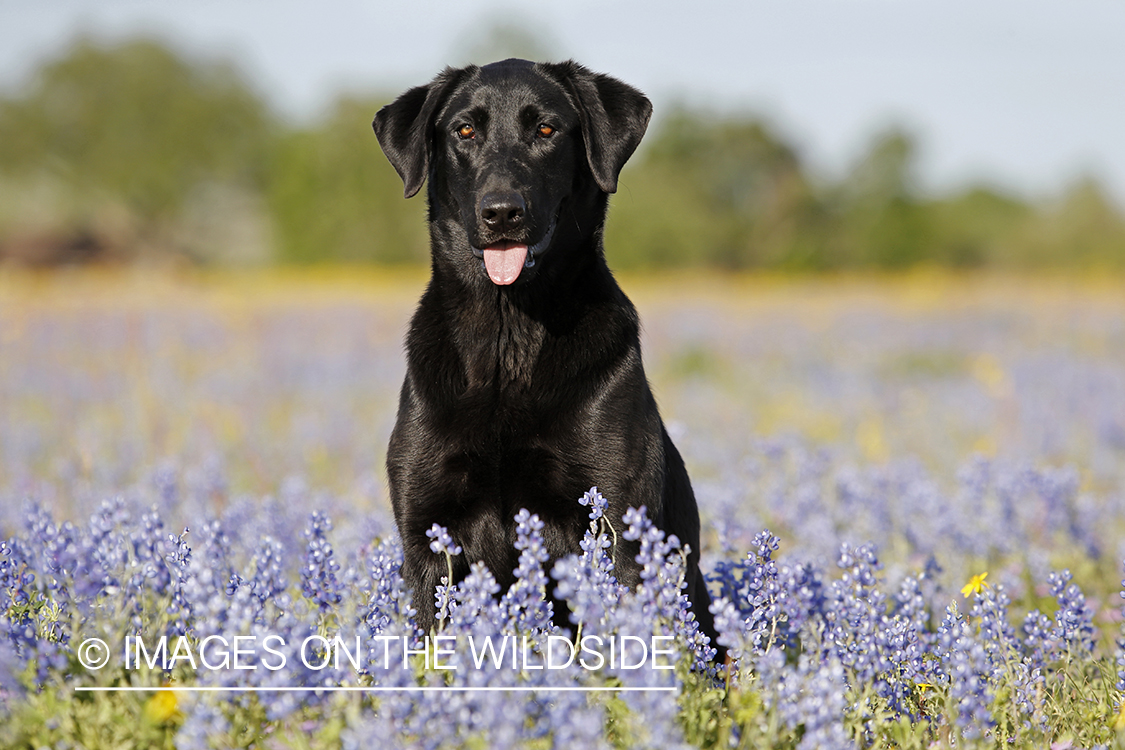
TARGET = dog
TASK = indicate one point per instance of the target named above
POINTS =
(524, 385)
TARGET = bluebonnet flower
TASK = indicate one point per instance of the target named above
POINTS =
(16, 576)
(178, 558)
(1026, 683)
(525, 603)
(1038, 642)
(822, 706)
(576, 723)
(965, 662)
(908, 640)
(660, 592)
(318, 572)
(586, 582)
(11, 665)
(388, 605)
(268, 579)
(1008, 665)
(905, 662)
(753, 588)
(203, 723)
(812, 696)
(596, 502)
(910, 604)
(802, 595)
(1073, 632)
(855, 617)
(731, 628)
(103, 553)
(148, 550)
(56, 550)
(477, 609)
(442, 542)
(836, 634)
(990, 607)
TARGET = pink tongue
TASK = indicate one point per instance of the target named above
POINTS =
(504, 261)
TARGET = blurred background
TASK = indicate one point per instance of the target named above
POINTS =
(874, 243)
(796, 135)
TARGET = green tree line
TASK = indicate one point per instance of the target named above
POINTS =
(130, 152)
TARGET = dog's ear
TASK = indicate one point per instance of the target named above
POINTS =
(405, 128)
(613, 115)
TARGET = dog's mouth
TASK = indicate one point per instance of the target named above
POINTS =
(505, 260)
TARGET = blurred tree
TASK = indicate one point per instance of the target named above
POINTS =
(1081, 229)
(976, 227)
(138, 123)
(725, 192)
(183, 155)
(333, 196)
(885, 172)
(881, 222)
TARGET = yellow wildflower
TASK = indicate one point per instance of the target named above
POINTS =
(975, 585)
(162, 707)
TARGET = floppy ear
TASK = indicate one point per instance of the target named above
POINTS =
(613, 115)
(405, 128)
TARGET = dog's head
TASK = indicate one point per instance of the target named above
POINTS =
(518, 154)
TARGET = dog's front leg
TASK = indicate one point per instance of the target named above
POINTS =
(423, 570)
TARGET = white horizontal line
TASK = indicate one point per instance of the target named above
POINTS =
(372, 689)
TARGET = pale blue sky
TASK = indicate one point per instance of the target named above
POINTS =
(1022, 93)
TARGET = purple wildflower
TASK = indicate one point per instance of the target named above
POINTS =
(525, 603)
(965, 662)
(1074, 621)
(318, 572)
(661, 591)
(753, 588)
(597, 503)
(442, 542)
(586, 581)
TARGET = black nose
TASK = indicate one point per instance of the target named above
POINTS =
(502, 212)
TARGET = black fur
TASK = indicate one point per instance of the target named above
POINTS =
(524, 395)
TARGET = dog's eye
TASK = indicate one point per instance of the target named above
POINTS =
(545, 131)
(466, 131)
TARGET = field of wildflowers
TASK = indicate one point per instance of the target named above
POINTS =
(912, 490)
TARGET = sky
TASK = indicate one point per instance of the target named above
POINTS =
(1023, 95)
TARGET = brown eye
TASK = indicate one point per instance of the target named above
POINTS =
(466, 131)
(545, 130)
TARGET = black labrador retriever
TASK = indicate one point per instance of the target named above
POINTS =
(524, 385)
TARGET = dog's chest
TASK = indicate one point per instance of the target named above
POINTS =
(501, 351)
(519, 344)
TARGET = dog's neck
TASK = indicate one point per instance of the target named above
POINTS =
(519, 337)
(500, 332)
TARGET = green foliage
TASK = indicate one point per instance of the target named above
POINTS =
(57, 716)
(333, 196)
(138, 123)
(728, 193)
